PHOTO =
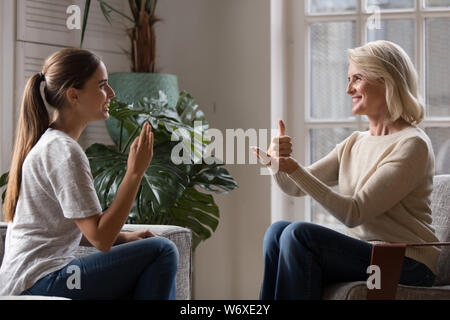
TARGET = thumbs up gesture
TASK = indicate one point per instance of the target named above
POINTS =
(280, 146)
(280, 151)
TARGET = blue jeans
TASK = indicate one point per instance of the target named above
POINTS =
(142, 269)
(300, 258)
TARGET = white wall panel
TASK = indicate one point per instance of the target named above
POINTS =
(44, 21)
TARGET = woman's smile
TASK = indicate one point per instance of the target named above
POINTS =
(106, 107)
(356, 99)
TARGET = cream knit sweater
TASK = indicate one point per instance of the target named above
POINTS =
(384, 183)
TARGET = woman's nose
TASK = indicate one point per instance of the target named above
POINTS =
(112, 94)
(350, 89)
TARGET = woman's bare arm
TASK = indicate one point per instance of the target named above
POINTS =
(101, 230)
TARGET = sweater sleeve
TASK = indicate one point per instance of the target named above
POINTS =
(395, 177)
(326, 170)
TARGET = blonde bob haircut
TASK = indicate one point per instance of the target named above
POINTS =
(387, 62)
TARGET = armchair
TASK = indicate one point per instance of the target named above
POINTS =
(440, 206)
(182, 238)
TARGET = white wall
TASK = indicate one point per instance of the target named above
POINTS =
(7, 41)
(220, 51)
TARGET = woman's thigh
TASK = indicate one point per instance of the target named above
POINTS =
(340, 258)
(111, 275)
(343, 258)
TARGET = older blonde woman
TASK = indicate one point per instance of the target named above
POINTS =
(385, 178)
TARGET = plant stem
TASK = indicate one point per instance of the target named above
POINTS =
(120, 136)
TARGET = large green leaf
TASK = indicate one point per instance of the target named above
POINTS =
(213, 177)
(163, 183)
(196, 211)
(189, 111)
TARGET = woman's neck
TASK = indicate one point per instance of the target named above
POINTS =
(382, 127)
(66, 123)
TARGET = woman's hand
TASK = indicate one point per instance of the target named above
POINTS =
(141, 151)
(279, 153)
(284, 164)
(137, 235)
(280, 146)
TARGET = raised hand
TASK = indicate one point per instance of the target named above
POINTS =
(141, 151)
(281, 145)
(283, 164)
(279, 154)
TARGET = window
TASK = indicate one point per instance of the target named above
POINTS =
(421, 27)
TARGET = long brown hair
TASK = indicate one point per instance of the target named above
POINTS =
(64, 69)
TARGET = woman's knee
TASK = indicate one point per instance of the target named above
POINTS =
(168, 250)
(298, 232)
(274, 232)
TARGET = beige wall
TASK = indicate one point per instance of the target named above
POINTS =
(220, 51)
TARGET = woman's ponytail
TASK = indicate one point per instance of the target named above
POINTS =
(33, 121)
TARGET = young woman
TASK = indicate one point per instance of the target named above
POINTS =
(385, 178)
(51, 203)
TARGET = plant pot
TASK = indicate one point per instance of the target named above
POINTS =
(131, 87)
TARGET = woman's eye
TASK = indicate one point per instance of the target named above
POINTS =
(354, 79)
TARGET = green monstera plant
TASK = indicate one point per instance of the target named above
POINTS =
(169, 193)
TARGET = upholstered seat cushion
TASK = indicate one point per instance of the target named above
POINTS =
(358, 291)
(440, 206)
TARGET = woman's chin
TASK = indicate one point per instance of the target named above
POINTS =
(357, 111)
(105, 114)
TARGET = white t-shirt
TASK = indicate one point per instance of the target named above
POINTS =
(57, 186)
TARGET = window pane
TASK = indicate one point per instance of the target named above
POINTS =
(440, 138)
(437, 38)
(437, 3)
(329, 69)
(332, 6)
(399, 31)
(391, 4)
(322, 142)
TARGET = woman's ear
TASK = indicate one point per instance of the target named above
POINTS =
(72, 96)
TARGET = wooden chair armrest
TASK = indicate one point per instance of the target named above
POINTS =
(389, 258)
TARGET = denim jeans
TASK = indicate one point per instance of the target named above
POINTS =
(300, 258)
(142, 269)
